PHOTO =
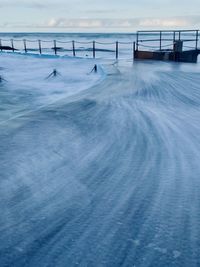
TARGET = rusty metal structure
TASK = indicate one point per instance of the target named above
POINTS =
(180, 45)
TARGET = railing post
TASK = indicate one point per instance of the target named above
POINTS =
(73, 48)
(117, 50)
(179, 35)
(160, 40)
(137, 37)
(12, 45)
(174, 36)
(25, 48)
(1, 44)
(197, 39)
(40, 47)
(133, 50)
(94, 52)
(55, 47)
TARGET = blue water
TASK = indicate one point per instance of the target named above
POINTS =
(105, 43)
(107, 177)
(71, 36)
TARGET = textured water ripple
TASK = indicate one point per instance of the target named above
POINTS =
(106, 178)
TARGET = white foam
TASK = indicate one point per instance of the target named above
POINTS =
(27, 87)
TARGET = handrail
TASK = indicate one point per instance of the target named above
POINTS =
(171, 31)
(156, 40)
(89, 46)
(163, 34)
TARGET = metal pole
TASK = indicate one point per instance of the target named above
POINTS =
(160, 40)
(197, 38)
(174, 36)
(133, 50)
(94, 54)
(25, 48)
(179, 35)
(12, 45)
(137, 41)
(55, 47)
(174, 40)
(73, 47)
(117, 50)
(0, 44)
(40, 47)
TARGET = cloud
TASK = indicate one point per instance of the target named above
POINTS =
(169, 22)
(89, 23)
(128, 25)
(191, 21)
(73, 23)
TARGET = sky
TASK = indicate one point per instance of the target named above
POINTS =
(97, 15)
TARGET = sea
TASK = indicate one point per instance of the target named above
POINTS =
(97, 169)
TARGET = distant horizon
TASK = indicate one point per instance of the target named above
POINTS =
(99, 32)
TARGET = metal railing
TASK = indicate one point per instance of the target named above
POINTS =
(146, 40)
(166, 39)
(57, 47)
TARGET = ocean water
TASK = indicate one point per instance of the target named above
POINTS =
(99, 169)
(105, 43)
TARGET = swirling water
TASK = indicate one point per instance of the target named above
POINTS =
(107, 177)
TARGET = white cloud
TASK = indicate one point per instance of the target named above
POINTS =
(124, 23)
(53, 23)
(169, 22)
(89, 23)
(109, 24)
